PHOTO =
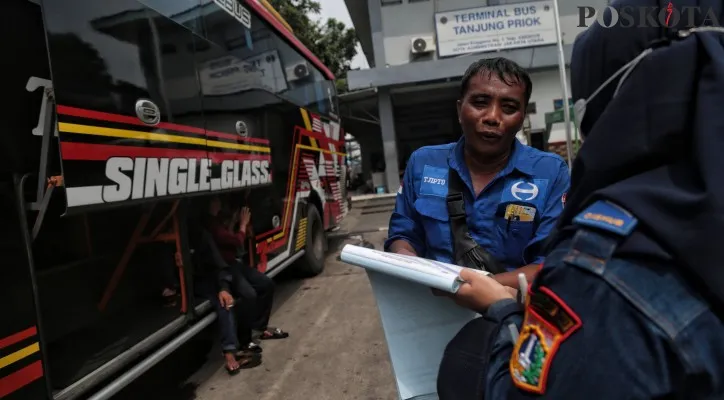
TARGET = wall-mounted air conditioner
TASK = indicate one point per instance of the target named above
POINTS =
(422, 44)
(298, 71)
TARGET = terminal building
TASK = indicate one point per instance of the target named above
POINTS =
(418, 50)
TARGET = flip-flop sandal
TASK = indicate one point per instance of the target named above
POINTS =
(232, 372)
(275, 333)
(253, 361)
(250, 349)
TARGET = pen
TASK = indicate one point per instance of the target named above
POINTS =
(522, 287)
(515, 217)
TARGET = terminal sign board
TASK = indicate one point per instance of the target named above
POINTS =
(493, 28)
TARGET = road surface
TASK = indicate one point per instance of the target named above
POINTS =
(336, 349)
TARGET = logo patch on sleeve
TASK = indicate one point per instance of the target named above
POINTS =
(434, 181)
(548, 323)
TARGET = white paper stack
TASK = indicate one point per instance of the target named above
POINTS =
(417, 324)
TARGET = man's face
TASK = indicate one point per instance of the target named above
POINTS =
(491, 113)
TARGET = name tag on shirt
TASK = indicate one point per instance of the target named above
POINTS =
(434, 181)
(520, 213)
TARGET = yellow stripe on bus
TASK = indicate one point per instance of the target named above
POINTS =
(308, 126)
(160, 137)
(19, 355)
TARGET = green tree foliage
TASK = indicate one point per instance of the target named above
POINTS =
(331, 41)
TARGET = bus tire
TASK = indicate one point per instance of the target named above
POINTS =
(312, 262)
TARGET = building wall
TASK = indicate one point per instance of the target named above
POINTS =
(405, 19)
(546, 89)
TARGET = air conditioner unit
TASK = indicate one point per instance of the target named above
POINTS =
(422, 44)
(298, 71)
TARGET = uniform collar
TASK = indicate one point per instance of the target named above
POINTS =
(519, 159)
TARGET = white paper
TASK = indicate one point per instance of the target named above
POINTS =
(425, 272)
(418, 326)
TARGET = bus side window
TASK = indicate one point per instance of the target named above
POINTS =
(306, 82)
(184, 12)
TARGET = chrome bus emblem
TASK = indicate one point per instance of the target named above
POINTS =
(241, 129)
(275, 221)
(148, 112)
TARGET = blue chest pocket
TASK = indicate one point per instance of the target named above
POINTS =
(436, 223)
(517, 215)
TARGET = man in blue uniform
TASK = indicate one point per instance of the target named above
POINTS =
(629, 302)
(513, 194)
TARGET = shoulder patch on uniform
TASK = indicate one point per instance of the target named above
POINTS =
(607, 216)
(434, 181)
(548, 323)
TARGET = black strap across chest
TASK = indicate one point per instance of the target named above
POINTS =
(466, 252)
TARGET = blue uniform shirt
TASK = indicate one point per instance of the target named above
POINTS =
(533, 179)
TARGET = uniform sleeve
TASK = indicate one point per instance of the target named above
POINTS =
(549, 216)
(613, 353)
(405, 222)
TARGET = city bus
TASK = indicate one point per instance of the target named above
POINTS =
(121, 118)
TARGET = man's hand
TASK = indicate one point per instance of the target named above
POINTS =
(226, 300)
(244, 218)
(480, 292)
(402, 247)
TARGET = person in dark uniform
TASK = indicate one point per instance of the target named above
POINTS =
(628, 303)
(511, 193)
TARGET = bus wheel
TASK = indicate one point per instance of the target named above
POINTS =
(312, 262)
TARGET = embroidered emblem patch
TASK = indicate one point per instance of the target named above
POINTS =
(548, 323)
(434, 181)
(526, 191)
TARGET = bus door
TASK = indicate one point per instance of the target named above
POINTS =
(132, 142)
(239, 71)
(22, 370)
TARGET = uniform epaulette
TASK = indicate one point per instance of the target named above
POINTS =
(605, 215)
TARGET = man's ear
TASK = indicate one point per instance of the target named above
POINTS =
(459, 105)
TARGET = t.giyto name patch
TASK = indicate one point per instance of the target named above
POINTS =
(548, 323)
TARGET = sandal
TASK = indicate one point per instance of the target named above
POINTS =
(245, 362)
(250, 361)
(275, 333)
(250, 349)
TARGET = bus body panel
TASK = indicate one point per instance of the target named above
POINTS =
(241, 111)
(22, 369)
(130, 118)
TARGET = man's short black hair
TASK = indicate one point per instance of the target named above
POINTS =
(508, 71)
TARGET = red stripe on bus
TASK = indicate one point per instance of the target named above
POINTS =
(321, 137)
(14, 338)
(20, 378)
(102, 152)
(268, 17)
(125, 119)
